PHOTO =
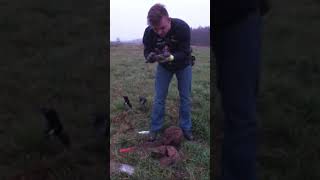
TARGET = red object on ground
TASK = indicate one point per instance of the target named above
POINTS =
(125, 150)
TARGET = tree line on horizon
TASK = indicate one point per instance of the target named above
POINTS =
(199, 37)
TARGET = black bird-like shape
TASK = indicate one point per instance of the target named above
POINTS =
(142, 100)
(54, 126)
(127, 103)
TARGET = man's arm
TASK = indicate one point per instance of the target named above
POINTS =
(147, 42)
(148, 53)
(183, 49)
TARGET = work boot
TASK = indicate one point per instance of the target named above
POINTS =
(153, 135)
(188, 135)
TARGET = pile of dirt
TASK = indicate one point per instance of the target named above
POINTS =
(167, 150)
(172, 136)
(167, 155)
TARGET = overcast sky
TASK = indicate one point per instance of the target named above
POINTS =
(128, 18)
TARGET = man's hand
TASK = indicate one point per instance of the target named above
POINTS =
(164, 57)
(151, 57)
(167, 56)
(160, 57)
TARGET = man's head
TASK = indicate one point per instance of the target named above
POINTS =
(159, 20)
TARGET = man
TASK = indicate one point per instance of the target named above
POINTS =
(167, 41)
(237, 45)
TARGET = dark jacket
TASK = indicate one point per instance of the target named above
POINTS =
(227, 12)
(178, 41)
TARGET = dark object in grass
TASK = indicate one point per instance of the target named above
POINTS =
(127, 103)
(54, 126)
(143, 102)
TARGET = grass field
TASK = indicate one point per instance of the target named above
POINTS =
(289, 102)
(52, 55)
(131, 77)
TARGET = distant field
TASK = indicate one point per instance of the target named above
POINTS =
(51, 54)
(130, 76)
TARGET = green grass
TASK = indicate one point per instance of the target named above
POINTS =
(130, 76)
(288, 102)
(52, 55)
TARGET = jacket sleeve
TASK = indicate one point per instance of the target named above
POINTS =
(147, 42)
(183, 47)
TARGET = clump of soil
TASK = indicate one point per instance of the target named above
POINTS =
(167, 149)
(172, 136)
(167, 155)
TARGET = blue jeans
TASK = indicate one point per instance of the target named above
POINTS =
(237, 51)
(162, 81)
